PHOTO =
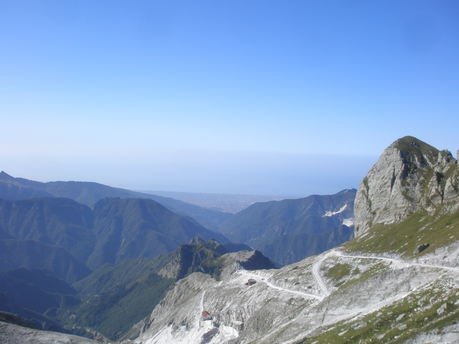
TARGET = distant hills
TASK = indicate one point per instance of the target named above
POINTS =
(89, 193)
(114, 230)
(231, 203)
(288, 231)
(31, 254)
(395, 282)
(115, 252)
(130, 228)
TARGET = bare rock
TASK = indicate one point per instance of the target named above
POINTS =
(420, 248)
(410, 175)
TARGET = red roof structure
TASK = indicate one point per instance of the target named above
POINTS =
(206, 315)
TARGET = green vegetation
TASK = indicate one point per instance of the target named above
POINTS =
(338, 271)
(356, 277)
(90, 193)
(403, 238)
(410, 145)
(421, 311)
(114, 313)
(31, 254)
(343, 276)
(117, 297)
(108, 276)
(115, 230)
(200, 257)
(36, 295)
(295, 247)
(290, 230)
(405, 194)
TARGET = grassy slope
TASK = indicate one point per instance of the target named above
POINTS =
(412, 145)
(402, 238)
(419, 312)
(431, 307)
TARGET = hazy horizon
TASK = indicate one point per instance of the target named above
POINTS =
(295, 175)
(261, 97)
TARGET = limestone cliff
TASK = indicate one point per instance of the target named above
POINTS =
(410, 175)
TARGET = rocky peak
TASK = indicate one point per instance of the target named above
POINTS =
(210, 257)
(196, 240)
(410, 175)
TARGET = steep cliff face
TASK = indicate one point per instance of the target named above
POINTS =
(409, 176)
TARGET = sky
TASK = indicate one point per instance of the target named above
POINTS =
(246, 97)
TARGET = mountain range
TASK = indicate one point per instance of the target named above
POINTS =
(397, 281)
(50, 229)
(89, 193)
(286, 231)
(290, 230)
(122, 258)
(113, 230)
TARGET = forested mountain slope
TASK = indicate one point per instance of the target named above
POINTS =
(115, 230)
(89, 193)
(290, 230)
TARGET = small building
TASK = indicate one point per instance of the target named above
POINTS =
(206, 316)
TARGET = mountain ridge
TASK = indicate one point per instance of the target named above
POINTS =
(274, 224)
(114, 230)
(89, 193)
(349, 294)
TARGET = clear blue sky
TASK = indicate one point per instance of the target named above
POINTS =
(265, 97)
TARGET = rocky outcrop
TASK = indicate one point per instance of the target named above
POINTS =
(248, 260)
(410, 175)
(14, 334)
(420, 248)
(14, 319)
(210, 257)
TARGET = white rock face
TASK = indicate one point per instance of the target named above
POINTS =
(294, 303)
(410, 175)
(13, 334)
